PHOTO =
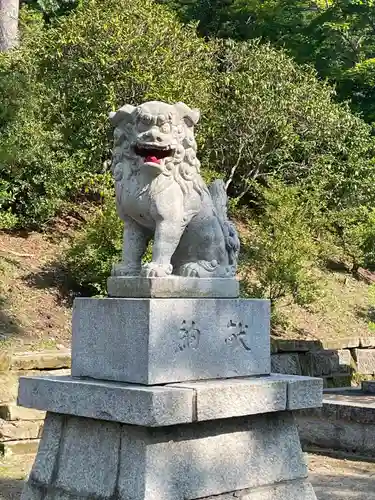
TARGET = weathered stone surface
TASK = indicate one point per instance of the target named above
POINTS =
(298, 345)
(46, 360)
(13, 412)
(340, 343)
(22, 447)
(11, 431)
(365, 361)
(327, 362)
(367, 342)
(192, 235)
(302, 392)
(156, 341)
(31, 492)
(337, 380)
(262, 460)
(172, 287)
(209, 458)
(5, 360)
(62, 495)
(368, 386)
(340, 435)
(9, 383)
(127, 403)
(286, 363)
(89, 455)
(233, 398)
(45, 461)
(293, 490)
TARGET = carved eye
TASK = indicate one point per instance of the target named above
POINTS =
(165, 128)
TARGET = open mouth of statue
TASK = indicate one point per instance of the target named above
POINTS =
(152, 154)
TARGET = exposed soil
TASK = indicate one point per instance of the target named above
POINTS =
(332, 479)
(35, 301)
(35, 307)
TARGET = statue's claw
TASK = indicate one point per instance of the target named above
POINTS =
(153, 270)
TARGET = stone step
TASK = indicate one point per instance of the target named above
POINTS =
(46, 360)
(22, 447)
(346, 422)
(12, 412)
(9, 382)
(19, 430)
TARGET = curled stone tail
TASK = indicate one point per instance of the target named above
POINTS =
(220, 200)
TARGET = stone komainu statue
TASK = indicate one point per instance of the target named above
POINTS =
(161, 195)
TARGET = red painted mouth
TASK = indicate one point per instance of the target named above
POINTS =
(153, 155)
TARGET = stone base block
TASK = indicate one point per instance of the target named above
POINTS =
(172, 287)
(259, 456)
(172, 404)
(159, 341)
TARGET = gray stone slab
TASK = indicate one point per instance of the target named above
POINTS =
(365, 361)
(368, 386)
(367, 342)
(11, 431)
(157, 341)
(327, 362)
(232, 398)
(287, 363)
(127, 403)
(172, 287)
(31, 492)
(45, 461)
(293, 490)
(89, 456)
(209, 458)
(302, 392)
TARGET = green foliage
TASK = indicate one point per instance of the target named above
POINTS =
(276, 119)
(53, 8)
(334, 35)
(90, 257)
(353, 231)
(56, 92)
(281, 250)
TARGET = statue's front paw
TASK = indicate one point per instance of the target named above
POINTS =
(153, 270)
(123, 269)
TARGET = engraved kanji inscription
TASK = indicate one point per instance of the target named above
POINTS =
(189, 336)
(239, 335)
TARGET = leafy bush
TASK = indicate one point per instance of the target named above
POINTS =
(90, 257)
(277, 119)
(281, 250)
(56, 92)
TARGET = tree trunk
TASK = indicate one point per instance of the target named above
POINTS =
(8, 24)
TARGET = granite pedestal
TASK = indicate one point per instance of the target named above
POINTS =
(173, 435)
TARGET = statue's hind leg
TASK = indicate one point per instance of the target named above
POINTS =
(202, 252)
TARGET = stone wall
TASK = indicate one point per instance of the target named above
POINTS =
(20, 428)
(340, 362)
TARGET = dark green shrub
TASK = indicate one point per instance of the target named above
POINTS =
(89, 259)
(276, 119)
(281, 250)
(56, 92)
